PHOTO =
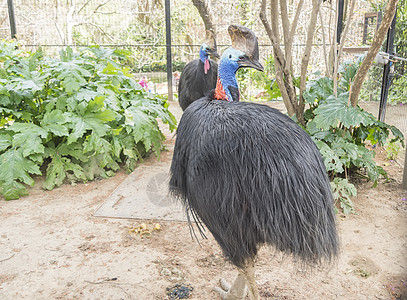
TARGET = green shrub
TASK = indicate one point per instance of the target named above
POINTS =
(162, 67)
(341, 133)
(72, 118)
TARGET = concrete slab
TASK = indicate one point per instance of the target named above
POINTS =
(144, 193)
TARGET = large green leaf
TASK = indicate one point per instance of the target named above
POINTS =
(342, 190)
(331, 160)
(29, 137)
(5, 141)
(96, 144)
(71, 84)
(60, 168)
(272, 89)
(79, 127)
(95, 121)
(333, 112)
(71, 74)
(13, 190)
(54, 121)
(15, 167)
(318, 90)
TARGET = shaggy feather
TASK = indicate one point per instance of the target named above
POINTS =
(253, 177)
(194, 83)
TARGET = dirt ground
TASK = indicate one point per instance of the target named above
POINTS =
(51, 247)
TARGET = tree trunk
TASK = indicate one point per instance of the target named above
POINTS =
(206, 14)
(373, 50)
(70, 23)
(283, 61)
(283, 72)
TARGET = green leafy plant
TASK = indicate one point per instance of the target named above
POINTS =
(398, 91)
(161, 67)
(343, 190)
(248, 78)
(342, 132)
(273, 90)
(72, 118)
(393, 150)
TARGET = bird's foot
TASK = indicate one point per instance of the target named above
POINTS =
(237, 291)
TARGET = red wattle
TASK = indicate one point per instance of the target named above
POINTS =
(219, 91)
(206, 66)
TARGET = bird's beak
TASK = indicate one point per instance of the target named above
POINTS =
(246, 62)
(213, 53)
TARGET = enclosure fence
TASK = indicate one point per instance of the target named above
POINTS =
(139, 26)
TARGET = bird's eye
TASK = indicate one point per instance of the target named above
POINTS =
(230, 55)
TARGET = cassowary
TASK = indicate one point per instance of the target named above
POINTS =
(251, 175)
(199, 76)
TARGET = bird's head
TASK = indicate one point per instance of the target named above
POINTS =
(245, 40)
(209, 46)
(207, 50)
(233, 59)
(244, 53)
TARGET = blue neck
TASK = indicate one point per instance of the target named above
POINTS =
(203, 55)
(227, 76)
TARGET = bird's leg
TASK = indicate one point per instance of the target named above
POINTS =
(237, 291)
(251, 282)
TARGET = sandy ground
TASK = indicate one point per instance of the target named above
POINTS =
(51, 247)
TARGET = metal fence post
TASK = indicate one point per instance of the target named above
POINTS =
(339, 21)
(12, 19)
(404, 184)
(388, 70)
(168, 46)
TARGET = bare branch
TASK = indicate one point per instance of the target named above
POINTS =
(284, 92)
(271, 34)
(98, 28)
(285, 22)
(331, 39)
(274, 19)
(324, 44)
(346, 30)
(289, 44)
(60, 32)
(100, 5)
(86, 3)
(296, 18)
(316, 4)
(373, 50)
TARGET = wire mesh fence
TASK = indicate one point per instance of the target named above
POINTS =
(139, 26)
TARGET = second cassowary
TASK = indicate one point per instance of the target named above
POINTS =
(251, 175)
(199, 76)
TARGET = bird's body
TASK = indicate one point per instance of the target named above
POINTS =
(199, 76)
(252, 175)
(194, 82)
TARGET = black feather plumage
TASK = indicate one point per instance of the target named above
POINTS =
(253, 177)
(194, 83)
